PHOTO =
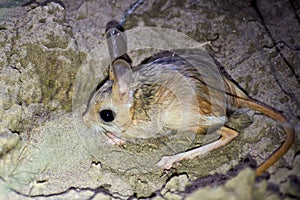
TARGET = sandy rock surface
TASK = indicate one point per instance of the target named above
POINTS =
(53, 54)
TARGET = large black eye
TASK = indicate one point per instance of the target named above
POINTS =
(107, 115)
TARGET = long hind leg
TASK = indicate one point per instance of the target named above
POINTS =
(227, 135)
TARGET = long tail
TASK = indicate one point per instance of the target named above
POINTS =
(288, 128)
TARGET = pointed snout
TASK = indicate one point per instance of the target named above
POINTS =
(86, 119)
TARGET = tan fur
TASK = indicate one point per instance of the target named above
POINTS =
(169, 94)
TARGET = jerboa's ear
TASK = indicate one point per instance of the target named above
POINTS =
(122, 77)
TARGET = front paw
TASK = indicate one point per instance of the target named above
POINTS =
(114, 140)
